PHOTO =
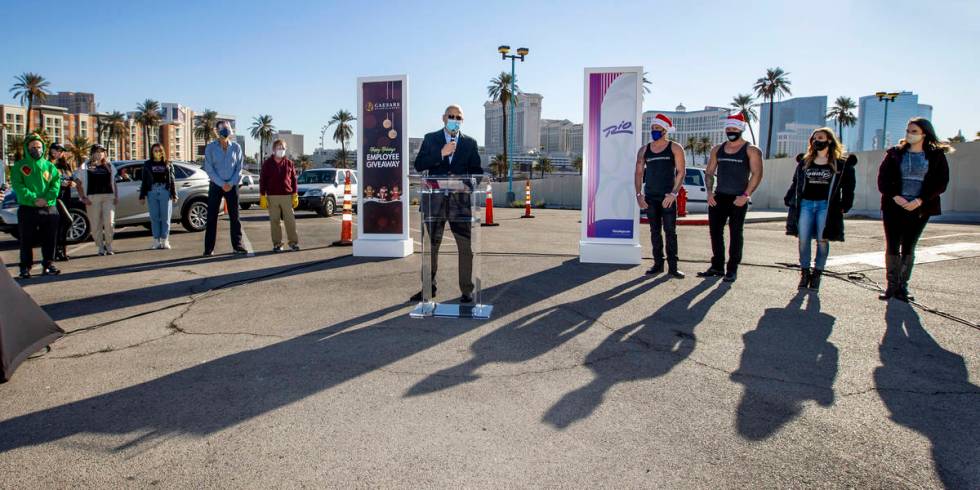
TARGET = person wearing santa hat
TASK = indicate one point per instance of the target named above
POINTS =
(660, 173)
(738, 167)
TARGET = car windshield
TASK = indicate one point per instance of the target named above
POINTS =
(318, 177)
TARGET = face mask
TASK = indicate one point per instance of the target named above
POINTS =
(733, 135)
(279, 153)
(913, 138)
(820, 145)
(452, 125)
(656, 135)
(35, 153)
(224, 132)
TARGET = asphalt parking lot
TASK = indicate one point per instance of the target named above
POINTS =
(304, 368)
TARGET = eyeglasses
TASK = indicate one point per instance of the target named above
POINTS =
(454, 117)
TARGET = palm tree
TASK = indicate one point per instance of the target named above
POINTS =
(745, 104)
(545, 165)
(148, 114)
(771, 87)
(705, 145)
(30, 88)
(204, 125)
(79, 147)
(499, 90)
(646, 83)
(498, 166)
(15, 146)
(959, 138)
(262, 130)
(117, 129)
(694, 146)
(343, 133)
(578, 163)
(843, 114)
(340, 158)
(304, 162)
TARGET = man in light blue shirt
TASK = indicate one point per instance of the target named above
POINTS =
(223, 161)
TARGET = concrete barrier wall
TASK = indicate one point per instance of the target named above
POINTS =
(962, 197)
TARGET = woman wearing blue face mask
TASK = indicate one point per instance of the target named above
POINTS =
(911, 178)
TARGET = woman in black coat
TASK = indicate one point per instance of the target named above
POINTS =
(821, 193)
(911, 178)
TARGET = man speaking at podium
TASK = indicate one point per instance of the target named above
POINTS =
(449, 153)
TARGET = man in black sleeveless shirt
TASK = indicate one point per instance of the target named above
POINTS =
(660, 170)
(738, 166)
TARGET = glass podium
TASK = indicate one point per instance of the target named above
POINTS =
(451, 206)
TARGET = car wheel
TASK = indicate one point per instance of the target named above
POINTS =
(244, 205)
(195, 216)
(79, 231)
(329, 207)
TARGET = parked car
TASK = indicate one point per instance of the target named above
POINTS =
(322, 190)
(248, 191)
(191, 208)
(697, 193)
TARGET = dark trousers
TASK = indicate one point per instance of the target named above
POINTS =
(455, 209)
(902, 229)
(37, 226)
(663, 224)
(215, 193)
(725, 211)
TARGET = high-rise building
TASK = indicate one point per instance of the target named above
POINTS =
(801, 112)
(707, 123)
(527, 125)
(871, 120)
(178, 126)
(561, 138)
(74, 102)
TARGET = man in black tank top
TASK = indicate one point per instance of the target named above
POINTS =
(660, 170)
(738, 166)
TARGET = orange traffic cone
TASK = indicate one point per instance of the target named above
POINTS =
(348, 217)
(489, 209)
(527, 200)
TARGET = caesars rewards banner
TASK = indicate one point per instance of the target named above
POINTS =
(382, 157)
(610, 214)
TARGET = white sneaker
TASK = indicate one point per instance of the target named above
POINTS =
(108, 251)
(156, 244)
(166, 244)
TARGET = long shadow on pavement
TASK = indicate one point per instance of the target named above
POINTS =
(646, 349)
(787, 360)
(927, 389)
(534, 334)
(232, 389)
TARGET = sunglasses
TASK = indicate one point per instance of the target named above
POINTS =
(454, 118)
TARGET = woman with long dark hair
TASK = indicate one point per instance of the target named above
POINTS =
(57, 156)
(821, 193)
(157, 189)
(911, 178)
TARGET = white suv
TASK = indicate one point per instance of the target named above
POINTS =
(322, 190)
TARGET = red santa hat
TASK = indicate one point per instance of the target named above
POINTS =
(736, 120)
(663, 121)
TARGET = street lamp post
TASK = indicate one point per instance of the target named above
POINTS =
(885, 97)
(521, 53)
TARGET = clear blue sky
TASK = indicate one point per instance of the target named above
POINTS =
(299, 60)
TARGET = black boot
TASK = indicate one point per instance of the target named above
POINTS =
(48, 269)
(905, 272)
(815, 279)
(892, 276)
(658, 268)
(804, 278)
(61, 255)
(25, 273)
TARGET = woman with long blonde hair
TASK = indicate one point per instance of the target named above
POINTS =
(96, 180)
(821, 193)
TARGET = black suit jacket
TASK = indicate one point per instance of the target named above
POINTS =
(466, 160)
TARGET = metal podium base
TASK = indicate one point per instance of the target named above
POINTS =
(451, 310)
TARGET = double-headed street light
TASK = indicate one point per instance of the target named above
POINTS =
(885, 97)
(521, 53)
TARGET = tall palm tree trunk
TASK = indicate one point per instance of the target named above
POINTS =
(506, 168)
(769, 137)
(751, 132)
(30, 105)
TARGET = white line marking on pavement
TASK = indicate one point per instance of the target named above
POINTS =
(924, 255)
(948, 236)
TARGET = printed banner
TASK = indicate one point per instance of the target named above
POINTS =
(612, 133)
(383, 173)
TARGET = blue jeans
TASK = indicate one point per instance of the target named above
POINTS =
(158, 201)
(813, 219)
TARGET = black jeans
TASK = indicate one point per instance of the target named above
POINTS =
(663, 224)
(902, 229)
(454, 208)
(37, 226)
(726, 211)
(215, 193)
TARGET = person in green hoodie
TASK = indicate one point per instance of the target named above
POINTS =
(36, 182)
